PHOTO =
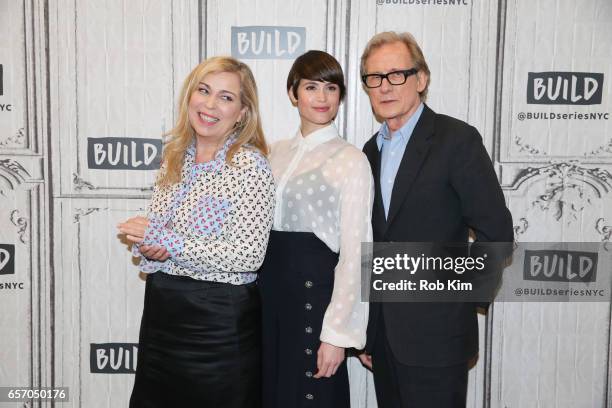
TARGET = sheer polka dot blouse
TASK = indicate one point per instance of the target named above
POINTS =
(325, 186)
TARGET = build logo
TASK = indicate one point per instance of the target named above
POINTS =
(7, 259)
(113, 358)
(564, 88)
(560, 266)
(4, 107)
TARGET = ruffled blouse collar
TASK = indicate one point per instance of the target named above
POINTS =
(214, 165)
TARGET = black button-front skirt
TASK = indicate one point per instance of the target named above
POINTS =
(296, 282)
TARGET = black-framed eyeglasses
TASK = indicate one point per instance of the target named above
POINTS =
(394, 77)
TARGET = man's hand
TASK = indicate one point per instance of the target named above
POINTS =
(366, 360)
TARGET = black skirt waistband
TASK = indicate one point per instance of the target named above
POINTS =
(297, 240)
(186, 283)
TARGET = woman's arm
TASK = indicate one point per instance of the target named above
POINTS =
(243, 247)
(346, 317)
(152, 258)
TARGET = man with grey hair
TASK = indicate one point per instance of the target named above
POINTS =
(434, 182)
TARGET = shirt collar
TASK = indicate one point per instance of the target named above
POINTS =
(316, 138)
(214, 165)
(403, 133)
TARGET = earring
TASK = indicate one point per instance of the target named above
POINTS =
(238, 124)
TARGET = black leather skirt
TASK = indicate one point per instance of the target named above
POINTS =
(199, 345)
(296, 282)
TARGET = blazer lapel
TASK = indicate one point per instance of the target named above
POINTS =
(414, 156)
(378, 212)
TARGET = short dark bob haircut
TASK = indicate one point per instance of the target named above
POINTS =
(316, 65)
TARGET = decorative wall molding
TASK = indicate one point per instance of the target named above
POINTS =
(80, 183)
(570, 188)
(606, 148)
(12, 174)
(21, 223)
(521, 228)
(525, 147)
(564, 199)
(599, 179)
(604, 230)
(82, 212)
(15, 140)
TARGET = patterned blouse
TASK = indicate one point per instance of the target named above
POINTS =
(325, 186)
(216, 222)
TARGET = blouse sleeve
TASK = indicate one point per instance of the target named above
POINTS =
(155, 210)
(243, 248)
(346, 318)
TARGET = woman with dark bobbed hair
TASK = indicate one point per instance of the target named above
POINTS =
(310, 279)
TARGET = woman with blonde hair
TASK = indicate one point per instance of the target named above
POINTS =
(204, 238)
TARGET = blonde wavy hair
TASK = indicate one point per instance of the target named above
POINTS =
(249, 130)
